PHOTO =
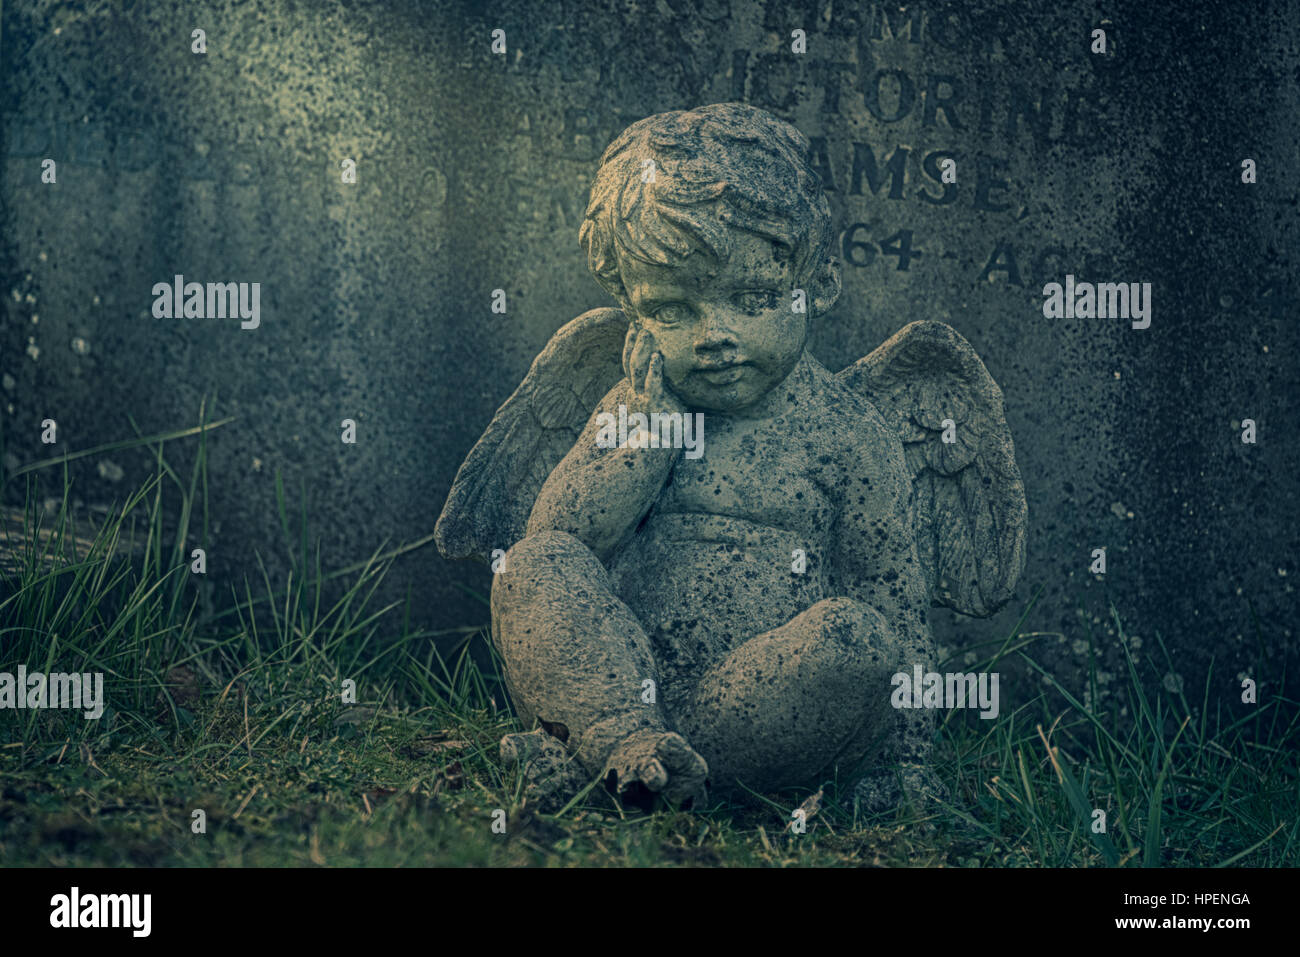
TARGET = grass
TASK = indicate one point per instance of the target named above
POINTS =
(234, 707)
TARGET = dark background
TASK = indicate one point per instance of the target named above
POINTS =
(473, 171)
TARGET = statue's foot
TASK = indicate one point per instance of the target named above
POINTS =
(646, 763)
(552, 776)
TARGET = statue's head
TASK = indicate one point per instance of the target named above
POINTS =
(712, 230)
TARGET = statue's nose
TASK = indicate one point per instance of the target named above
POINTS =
(715, 334)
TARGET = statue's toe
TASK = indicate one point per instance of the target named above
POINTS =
(660, 762)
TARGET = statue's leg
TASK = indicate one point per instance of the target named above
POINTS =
(576, 658)
(787, 706)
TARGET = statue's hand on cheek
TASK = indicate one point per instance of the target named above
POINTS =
(643, 364)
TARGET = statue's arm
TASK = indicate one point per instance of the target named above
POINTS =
(599, 495)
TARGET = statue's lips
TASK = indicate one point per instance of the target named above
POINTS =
(724, 374)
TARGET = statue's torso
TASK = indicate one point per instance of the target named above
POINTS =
(713, 563)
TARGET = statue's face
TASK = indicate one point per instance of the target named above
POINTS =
(727, 331)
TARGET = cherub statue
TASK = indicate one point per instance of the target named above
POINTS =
(731, 618)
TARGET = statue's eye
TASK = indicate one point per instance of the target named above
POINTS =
(672, 314)
(756, 300)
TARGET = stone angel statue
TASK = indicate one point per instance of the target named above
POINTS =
(714, 553)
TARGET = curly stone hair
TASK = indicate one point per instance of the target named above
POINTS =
(716, 168)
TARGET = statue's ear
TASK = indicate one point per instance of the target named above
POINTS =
(824, 286)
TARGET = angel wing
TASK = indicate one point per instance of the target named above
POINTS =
(494, 490)
(970, 503)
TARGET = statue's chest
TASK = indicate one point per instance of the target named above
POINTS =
(772, 478)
